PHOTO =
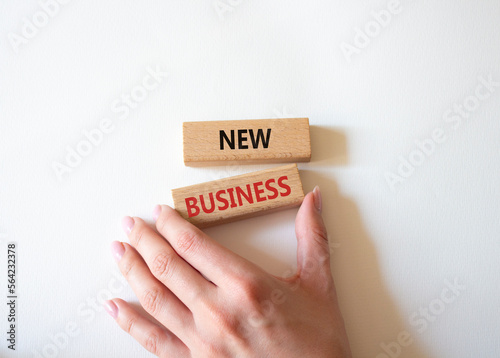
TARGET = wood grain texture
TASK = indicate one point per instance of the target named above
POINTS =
(287, 142)
(239, 197)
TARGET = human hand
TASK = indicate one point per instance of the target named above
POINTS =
(210, 302)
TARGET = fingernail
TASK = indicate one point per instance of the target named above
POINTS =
(156, 212)
(111, 308)
(117, 249)
(127, 224)
(318, 201)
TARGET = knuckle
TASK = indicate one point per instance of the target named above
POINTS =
(229, 327)
(187, 242)
(130, 324)
(250, 289)
(151, 301)
(126, 266)
(162, 266)
(319, 233)
(151, 342)
(137, 236)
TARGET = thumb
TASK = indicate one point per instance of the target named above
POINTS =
(313, 252)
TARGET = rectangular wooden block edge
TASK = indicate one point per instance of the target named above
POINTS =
(179, 195)
(299, 150)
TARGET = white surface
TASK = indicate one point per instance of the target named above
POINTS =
(393, 250)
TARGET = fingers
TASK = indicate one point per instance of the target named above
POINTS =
(217, 263)
(164, 263)
(154, 338)
(156, 299)
(313, 255)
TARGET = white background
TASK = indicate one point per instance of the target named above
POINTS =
(393, 250)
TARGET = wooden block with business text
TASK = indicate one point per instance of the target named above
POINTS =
(239, 197)
(281, 140)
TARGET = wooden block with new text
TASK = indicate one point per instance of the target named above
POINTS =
(239, 197)
(282, 140)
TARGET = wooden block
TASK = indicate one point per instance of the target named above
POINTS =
(285, 140)
(239, 197)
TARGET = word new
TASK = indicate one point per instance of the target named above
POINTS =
(234, 197)
(242, 138)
